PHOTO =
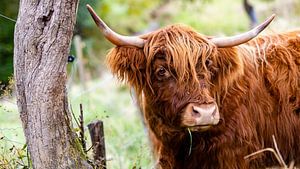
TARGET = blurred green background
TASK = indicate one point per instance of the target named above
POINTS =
(91, 84)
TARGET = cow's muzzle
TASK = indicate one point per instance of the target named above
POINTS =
(200, 116)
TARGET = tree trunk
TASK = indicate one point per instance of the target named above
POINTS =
(43, 34)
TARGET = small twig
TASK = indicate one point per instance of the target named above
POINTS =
(21, 164)
(263, 150)
(81, 126)
(278, 153)
(90, 148)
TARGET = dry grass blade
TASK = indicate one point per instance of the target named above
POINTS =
(275, 152)
(292, 165)
(191, 141)
(264, 150)
(281, 161)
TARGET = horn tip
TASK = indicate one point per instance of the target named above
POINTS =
(272, 16)
(90, 9)
(269, 20)
(88, 6)
(264, 25)
(95, 17)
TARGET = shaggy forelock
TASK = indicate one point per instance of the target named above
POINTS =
(183, 48)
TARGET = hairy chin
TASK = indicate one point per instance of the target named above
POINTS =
(200, 128)
(205, 129)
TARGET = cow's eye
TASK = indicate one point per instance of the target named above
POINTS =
(208, 63)
(161, 71)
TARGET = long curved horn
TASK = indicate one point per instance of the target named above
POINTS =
(242, 38)
(114, 37)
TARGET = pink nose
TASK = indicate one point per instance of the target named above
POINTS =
(201, 114)
(203, 110)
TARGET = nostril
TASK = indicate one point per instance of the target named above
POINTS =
(195, 112)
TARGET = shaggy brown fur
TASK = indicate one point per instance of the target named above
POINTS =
(256, 86)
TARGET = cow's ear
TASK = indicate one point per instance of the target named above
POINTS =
(128, 64)
(229, 66)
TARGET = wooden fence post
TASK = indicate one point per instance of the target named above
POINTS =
(98, 142)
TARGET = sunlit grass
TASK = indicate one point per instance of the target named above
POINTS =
(125, 136)
(104, 99)
(12, 139)
(10, 124)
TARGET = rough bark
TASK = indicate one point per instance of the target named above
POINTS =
(43, 34)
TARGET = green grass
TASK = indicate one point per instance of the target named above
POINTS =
(126, 139)
(12, 139)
